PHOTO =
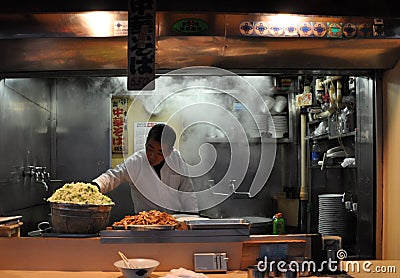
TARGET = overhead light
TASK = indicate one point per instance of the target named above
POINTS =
(100, 24)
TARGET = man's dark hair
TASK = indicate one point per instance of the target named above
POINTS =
(162, 133)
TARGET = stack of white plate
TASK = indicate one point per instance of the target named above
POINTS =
(331, 220)
(277, 126)
(258, 126)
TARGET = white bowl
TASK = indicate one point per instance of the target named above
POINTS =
(143, 267)
(268, 103)
(280, 104)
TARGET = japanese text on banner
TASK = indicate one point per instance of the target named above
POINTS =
(119, 110)
(141, 44)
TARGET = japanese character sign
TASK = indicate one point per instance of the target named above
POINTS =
(119, 110)
(141, 44)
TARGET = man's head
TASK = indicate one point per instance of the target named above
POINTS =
(159, 143)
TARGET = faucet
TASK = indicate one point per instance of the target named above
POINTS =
(40, 176)
(30, 172)
(211, 184)
(349, 204)
(232, 185)
(46, 187)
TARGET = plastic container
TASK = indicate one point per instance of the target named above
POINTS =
(278, 224)
(315, 153)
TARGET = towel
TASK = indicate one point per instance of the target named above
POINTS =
(184, 273)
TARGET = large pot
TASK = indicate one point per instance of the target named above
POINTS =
(79, 219)
(259, 225)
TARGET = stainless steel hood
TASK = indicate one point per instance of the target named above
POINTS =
(67, 44)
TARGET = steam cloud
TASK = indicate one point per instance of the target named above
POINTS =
(218, 105)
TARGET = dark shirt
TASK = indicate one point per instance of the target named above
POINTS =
(158, 167)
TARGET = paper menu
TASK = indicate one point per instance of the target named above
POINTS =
(140, 131)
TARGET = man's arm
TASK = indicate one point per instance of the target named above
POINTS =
(188, 196)
(112, 178)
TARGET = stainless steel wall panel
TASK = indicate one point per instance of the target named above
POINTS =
(366, 168)
(37, 116)
(283, 174)
(24, 141)
(83, 129)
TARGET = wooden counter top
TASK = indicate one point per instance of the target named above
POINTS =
(96, 274)
(75, 257)
(381, 264)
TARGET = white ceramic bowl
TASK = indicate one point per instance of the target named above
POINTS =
(280, 104)
(143, 267)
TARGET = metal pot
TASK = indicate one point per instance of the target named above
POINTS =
(259, 225)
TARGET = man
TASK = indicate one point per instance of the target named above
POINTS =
(158, 175)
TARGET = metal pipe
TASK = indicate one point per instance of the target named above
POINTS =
(303, 187)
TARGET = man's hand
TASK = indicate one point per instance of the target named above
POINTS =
(95, 184)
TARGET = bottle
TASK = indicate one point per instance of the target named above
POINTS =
(278, 224)
(315, 153)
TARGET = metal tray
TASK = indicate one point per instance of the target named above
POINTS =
(227, 223)
(144, 227)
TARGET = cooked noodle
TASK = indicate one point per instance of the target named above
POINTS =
(80, 193)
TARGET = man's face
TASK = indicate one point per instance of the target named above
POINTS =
(156, 152)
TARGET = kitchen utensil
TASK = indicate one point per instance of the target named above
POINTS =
(43, 227)
(259, 225)
(227, 223)
(79, 219)
(143, 267)
(151, 227)
(126, 261)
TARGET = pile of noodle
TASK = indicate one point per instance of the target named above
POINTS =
(80, 193)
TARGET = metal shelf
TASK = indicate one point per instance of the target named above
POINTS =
(327, 136)
(332, 167)
(257, 140)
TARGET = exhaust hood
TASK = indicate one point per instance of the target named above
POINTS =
(72, 43)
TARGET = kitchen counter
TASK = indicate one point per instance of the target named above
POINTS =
(89, 254)
(96, 274)
(87, 257)
(394, 272)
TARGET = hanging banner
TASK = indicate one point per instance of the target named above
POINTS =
(141, 44)
(119, 110)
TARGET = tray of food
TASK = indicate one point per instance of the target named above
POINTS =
(226, 223)
(151, 227)
(147, 220)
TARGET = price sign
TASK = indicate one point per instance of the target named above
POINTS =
(141, 44)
